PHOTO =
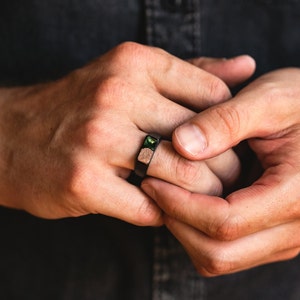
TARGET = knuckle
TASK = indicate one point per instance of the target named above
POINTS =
(187, 173)
(229, 118)
(218, 263)
(218, 90)
(229, 229)
(192, 176)
(128, 53)
(148, 215)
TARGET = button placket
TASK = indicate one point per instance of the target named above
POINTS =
(174, 26)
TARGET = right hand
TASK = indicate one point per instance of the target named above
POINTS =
(256, 224)
(68, 146)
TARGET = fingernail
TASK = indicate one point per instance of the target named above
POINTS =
(191, 139)
(246, 58)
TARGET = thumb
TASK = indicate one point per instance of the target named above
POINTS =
(223, 126)
(232, 71)
(267, 108)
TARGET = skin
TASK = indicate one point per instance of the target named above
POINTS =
(68, 146)
(255, 225)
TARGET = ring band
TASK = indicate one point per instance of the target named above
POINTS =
(145, 154)
(144, 158)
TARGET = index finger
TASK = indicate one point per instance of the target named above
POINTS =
(172, 77)
(263, 205)
(185, 83)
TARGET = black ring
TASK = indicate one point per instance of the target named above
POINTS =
(145, 154)
(144, 158)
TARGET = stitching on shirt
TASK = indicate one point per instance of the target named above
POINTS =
(149, 4)
(197, 27)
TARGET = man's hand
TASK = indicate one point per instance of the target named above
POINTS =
(260, 223)
(68, 146)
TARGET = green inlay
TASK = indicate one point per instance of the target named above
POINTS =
(150, 142)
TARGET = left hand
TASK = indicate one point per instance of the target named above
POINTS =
(68, 146)
(255, 225)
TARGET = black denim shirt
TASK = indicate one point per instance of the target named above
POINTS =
(96, 257)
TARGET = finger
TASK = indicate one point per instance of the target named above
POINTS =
(170, 76)
(278, 257)
(212, 257)
(143, 107)
(226, 166)
(160, 115)
(206, 177)
(260, 110)
(232, 71)
(197, 210)
(168, 165)
(126, 202)
(156, 114)
(241, 213)
(193, 176)
(148, 107)
(181, 81)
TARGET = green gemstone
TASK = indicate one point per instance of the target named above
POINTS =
(150, 142)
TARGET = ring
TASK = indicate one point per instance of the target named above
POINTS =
(144, 158)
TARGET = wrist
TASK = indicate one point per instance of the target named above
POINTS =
(13, 117)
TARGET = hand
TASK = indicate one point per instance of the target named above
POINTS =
(68, 146)
(260, 223)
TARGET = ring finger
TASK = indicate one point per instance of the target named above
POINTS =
(168, 165)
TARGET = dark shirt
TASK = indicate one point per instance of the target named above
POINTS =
(96, 257)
